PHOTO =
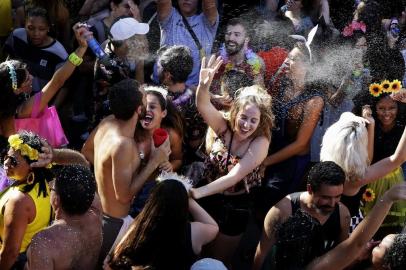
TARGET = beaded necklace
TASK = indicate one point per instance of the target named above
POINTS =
(252, 59)
(183, 98)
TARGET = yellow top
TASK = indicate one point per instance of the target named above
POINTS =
(42, 217)
(6, 25)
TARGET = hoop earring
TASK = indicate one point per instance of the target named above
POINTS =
(30, 178)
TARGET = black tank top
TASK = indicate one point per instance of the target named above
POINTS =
(301, 238)
(330, 230)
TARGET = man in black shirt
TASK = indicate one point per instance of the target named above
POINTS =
(318, 209)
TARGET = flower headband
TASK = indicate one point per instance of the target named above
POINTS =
(18, 144)
(386, 86)
(354, 26)
(13, 75)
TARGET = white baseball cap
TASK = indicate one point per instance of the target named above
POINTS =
(127, 27)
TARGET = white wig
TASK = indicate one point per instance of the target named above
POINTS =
(346, 143)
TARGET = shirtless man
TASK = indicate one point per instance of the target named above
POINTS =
(113, 152)
(76, 206)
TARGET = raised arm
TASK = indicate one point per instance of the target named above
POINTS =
(277, 215)
(367, 114)
(210, 10)
(59, 77)
(254, 156)
(209, 113)
(164, 8)
(312, 112)
(59, 156)
(204, 227)
(346, 252)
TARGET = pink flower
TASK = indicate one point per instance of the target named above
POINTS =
(347, 31)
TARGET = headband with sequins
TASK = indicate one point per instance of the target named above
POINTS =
(13, 75)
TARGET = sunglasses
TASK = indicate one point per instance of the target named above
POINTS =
(13, 160)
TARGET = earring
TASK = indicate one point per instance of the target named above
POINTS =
(30, 178)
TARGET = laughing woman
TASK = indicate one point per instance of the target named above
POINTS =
(160, 113)
(240, 144)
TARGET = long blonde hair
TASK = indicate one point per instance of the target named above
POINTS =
(248, 95)
(346, 143)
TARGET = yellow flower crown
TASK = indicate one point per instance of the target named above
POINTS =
(18, 144)
(385, 86)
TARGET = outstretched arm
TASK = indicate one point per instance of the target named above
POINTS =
(209, 113)
(60, 76)
(311, 117)
(254, 156)
(346, 252)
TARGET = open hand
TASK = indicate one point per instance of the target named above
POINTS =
(399, 96)
(367, 114)
(208, 70)
(44, 158)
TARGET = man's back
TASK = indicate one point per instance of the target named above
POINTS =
(112, 147)
(73, 244)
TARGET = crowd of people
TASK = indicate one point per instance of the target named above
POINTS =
(202, 134)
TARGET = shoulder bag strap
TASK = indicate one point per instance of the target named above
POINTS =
(192, 33)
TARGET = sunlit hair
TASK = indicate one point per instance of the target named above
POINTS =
(157, 236)
(258, 96)
(346, 143)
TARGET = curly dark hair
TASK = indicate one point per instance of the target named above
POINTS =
(76, 187)
(395, 256)
(9, 100)
(178, 61)
(41, 175)
(125, 97)
(327, 173)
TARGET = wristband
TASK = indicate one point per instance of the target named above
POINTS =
(75, 59)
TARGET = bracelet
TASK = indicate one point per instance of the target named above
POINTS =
(75, 59)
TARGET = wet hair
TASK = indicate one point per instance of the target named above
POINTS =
(178, 61)
(36, 11)
(9, 100)
(125, 97)
(395, 256)
(345, 143)
(157, 236)
(76, 187)
(325, 173)
(298, 235)
(233, 80)
(41, 175)
(263, 101)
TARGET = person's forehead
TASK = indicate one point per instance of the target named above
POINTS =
(238, 28)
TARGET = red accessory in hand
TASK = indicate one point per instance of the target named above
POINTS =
(159, 136)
